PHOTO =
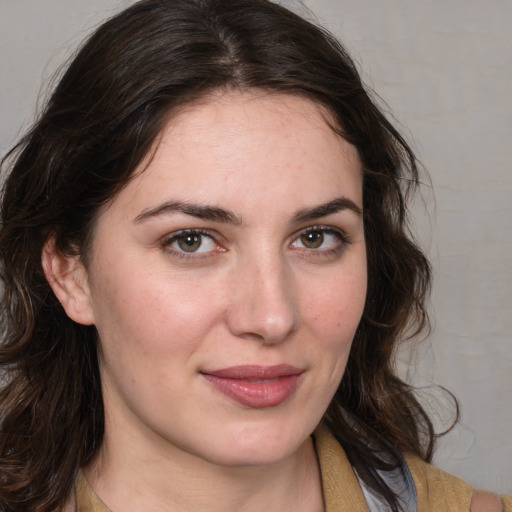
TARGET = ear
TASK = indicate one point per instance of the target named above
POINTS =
(68, 278)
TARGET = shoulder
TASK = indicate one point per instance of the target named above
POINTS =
(441, 491)
(484, 501)
(436, 487)
(436, 490)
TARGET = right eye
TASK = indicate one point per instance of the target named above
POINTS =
(190, 241)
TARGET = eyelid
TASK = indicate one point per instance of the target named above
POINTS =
(169, 239)
(341, 235)
(323, 229)
(343, 238)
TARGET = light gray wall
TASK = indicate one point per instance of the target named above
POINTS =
(445, 70)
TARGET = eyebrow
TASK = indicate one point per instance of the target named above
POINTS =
(323, 210)
(212, 213)
(217, 214)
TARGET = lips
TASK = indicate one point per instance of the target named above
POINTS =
(254, 386)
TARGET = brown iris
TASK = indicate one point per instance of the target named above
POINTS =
(190, 242)
(312, 239)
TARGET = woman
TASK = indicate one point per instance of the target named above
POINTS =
(207, 269)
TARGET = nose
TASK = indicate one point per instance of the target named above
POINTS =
(263, 302)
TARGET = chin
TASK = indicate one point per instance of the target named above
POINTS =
(246, 446)
(241, 456)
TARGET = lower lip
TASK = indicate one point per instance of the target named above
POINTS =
(256, 394)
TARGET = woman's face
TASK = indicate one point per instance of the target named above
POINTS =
(226, 282)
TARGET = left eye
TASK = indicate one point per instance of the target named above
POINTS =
(192, 242)
(316, 238)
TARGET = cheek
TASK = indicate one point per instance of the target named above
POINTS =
(334, 311)
(336, 306)
(152, 312)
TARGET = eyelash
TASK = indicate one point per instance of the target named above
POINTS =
(342, 238)
(174, 237)
(342, 241)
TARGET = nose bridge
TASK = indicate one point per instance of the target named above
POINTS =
(264, 305)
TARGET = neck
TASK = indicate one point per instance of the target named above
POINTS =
(172, 480)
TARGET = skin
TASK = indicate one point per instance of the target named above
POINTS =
(258, 289)
(484, 501)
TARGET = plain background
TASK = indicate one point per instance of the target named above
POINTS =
(444, 68)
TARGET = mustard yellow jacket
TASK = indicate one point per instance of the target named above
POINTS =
(437, 491)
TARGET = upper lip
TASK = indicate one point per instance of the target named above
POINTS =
(255, 372)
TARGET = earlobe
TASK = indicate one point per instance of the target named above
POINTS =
(67, 277)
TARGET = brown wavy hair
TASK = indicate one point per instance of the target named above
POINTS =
(100, 122)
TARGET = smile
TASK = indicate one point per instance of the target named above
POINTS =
(256, 387)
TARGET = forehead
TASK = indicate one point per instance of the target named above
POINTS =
(247, 112)
(248, 147)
